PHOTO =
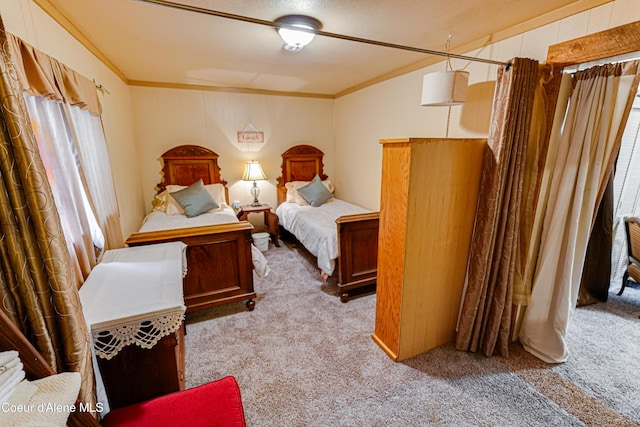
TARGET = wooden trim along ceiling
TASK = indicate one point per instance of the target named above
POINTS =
(226, 89)
(57, 16)
(572, 9)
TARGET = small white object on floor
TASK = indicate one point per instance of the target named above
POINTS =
(261, 240)
(260, 264)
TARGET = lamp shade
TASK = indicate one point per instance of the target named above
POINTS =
(253, 171)
(444, 88)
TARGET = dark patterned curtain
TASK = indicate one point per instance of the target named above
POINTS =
(485, 320)
(37, 283)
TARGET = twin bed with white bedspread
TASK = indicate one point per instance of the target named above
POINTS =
(343, 236)
(315, 227)
(220, 254)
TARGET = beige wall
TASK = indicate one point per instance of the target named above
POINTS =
(165, 118)
(141, 123)
(392, 109)
(27, 21)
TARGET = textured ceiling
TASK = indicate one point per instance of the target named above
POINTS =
(161, 45)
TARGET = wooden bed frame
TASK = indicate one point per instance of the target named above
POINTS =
(357, 234)
(219, 264)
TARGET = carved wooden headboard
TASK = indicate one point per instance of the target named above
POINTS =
(185, 164)
(299, 163)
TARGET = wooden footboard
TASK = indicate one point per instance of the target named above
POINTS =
(357, 252)
(219, 265)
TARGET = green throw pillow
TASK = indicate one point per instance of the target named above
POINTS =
(315, 193)
(195, 199)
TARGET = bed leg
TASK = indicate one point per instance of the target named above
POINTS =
(344, 297)
(251, 304)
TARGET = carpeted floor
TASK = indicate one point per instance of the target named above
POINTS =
(303, 358)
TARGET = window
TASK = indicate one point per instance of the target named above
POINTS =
(626, 184)
(56, 139)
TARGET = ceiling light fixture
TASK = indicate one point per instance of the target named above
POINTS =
(297, 31)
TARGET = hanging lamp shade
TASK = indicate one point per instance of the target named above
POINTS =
(444, 88)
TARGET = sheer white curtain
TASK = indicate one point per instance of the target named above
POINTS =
(626, 187)
(591, 134)
(56, 149)
(96, 170)
(73, 148)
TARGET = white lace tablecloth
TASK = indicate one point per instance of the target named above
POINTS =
(134, 296)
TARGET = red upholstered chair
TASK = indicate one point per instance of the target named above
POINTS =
(217, 403)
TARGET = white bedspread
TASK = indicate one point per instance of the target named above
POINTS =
(316, 227)
(157, 221)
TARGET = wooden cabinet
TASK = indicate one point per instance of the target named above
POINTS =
(427, 210)
(134, 306)
(137, 374)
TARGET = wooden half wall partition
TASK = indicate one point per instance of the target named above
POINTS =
(427, 211)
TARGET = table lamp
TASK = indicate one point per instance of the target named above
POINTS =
(253, 172)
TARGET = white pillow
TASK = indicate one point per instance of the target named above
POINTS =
(195, 199)
(315, 194)
(218, 193)
(172, 207)
(292, 190)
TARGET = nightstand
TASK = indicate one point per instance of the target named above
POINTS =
(270, 219)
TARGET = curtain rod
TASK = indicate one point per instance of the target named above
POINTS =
(205, 11)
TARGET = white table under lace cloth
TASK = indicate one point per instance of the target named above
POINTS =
(134, 296)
